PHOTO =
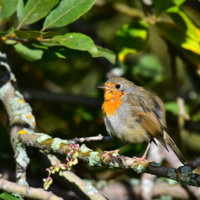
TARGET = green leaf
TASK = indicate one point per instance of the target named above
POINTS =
(148, 66)
(27, 34)
(28, 54)
(163, 5)
(8, 8)
(178, 37)
(63, 52)
(20, 10)
(173, 107)
(6, 33)
(2, 33)
(34, 10)
(35, 34)
(185, 24)
(131, 38)
(188, 47)
(106, 53)
(77, 41)
(49, 34)
(67, 12)
(7, 196)
(190, 56)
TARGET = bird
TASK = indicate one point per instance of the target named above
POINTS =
(134, 114)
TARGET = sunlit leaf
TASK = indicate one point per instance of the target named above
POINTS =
(8, 8)
(162, 5)
(66, 12)
(34, 10)
(131, 38)
(188, 47)
(182, 21)
(28, 54)
(106, 53)
(178, 37)
(77, 41)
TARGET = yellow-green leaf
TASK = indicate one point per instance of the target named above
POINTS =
(178, 37)
(131, 38)
(184, 23)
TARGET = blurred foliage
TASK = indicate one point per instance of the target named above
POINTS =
(71, 47)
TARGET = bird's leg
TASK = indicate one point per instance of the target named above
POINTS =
(144, 155)
(116, 151)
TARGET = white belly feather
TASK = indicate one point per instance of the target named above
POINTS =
(127, 130)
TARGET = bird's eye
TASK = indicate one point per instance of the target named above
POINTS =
(118, 86)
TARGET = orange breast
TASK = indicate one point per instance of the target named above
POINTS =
(111, 105)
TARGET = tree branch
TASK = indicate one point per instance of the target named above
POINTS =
(77, 185)
(183, 174)
(24, 191)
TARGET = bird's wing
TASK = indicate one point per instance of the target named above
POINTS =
(148, 120)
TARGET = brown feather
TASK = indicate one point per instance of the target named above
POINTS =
(150, 122)
(173, 146)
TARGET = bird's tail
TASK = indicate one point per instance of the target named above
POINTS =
(173, 146)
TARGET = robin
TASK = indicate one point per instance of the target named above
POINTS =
(133, 114)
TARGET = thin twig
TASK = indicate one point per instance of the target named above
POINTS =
(90, 139)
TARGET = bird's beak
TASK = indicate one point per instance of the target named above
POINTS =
(104, 87)
(101, 87)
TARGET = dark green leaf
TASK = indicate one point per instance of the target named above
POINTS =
(162, 5)
(8, 8)
(27, 34)
(184, 23)
(106, 53)
(6, 33)
(7, 196)
(52, 53)
(34, 10)
(49, 34)
(188, 47)
(2, 33)
(28, 54)
(131, 38)
(194, 58)
(77, 41)
(35, 34)
(178, 37)
(67, 12)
